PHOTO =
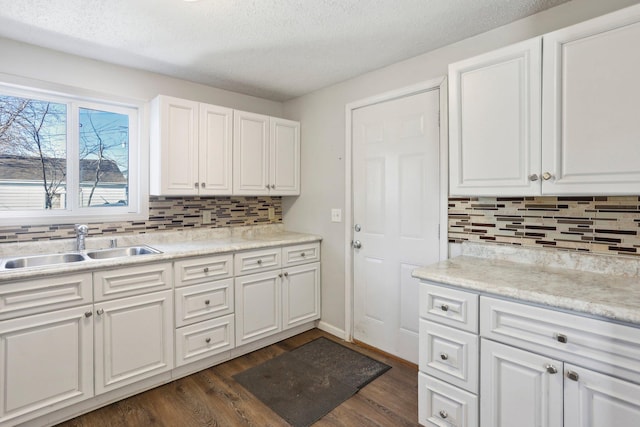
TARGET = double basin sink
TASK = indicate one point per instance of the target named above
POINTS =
(71, 257)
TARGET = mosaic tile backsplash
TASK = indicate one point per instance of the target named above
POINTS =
(165, 214)
(596, 224)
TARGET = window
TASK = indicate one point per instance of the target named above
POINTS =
(68, 159)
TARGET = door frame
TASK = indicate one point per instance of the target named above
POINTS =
(438, 83)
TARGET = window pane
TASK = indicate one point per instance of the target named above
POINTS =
(104, 158)
(32, 154)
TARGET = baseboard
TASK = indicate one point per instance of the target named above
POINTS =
(333, 330)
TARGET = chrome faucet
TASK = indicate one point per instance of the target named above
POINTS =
(81, 233)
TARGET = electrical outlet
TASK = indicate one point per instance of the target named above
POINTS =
(272, 213)
(206, 217)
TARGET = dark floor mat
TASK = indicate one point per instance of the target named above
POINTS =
(305, 384)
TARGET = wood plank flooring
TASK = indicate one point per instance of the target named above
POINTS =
(213, 398)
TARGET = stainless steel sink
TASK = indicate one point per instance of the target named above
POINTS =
(122, 252)
(40, 260)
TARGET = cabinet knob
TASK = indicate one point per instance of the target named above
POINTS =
(547, 176)
(267, 186)
(443, 414)
(203, 185)
(444, 356)
(100, 312)
(444, 307)
(207, 302)
(551, 369)
(286, 274)
(273, 186)
(206, 269)
(208, 340)
(88, 314)
(573, 375)
(533, 177)
(562, 338)
(280, 275)
(302, 255)
(195, 184)
(259, 262)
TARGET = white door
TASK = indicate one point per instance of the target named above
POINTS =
(519, 388)
(593, 399)
(133, 339)
(396, 208)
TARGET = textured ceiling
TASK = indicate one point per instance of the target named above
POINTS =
(275, 49)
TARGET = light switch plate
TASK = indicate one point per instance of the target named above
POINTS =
(336, 215)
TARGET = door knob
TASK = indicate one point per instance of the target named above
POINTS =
(357, 244)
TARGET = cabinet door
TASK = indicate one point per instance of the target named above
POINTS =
(250, 153)
(284, 165)
(133, 339)
(300, 294)
(593, 399)
(590, 105)
(494, 122)
(519, 388)
(46, 363)
(174, 146)
(258, 306)
(215, 150)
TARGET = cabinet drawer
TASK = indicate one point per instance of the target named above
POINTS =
(450, 307)
(443, 405)
(449, 354)
(204, 269)
(204, 339)
(40, 295)
(123, 282)
(607, 347)
(205, 301)
(256, 261)
(300, 254)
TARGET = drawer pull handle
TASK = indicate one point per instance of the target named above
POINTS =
(88, 313)
(206, 302)
(100, 312)
(206, 269)
(280, 275)
(286, 274)
(259, 262)
(562, 338)
(444, 356)
(302, 255)
(444, 307)
(551, 369)
(208, 340)
(573, 375)
(443, 414)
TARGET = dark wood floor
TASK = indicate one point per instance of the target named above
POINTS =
(212, 398)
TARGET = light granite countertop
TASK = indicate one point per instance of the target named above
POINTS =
(173, 245)
(597, 285)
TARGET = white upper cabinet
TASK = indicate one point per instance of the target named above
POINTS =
(266, 153)
(494, 119)
(568, 124)
(191, 150)
(591, 108)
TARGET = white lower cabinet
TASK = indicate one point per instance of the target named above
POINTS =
(519, 388)
(258, 306)
(300, 294)
(133, 339)
(538, 367)
(46, 363)
(204, 339)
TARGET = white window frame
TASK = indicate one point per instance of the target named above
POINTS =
(138, 174)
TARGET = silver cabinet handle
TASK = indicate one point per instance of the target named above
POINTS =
(195, 184)
(280, 275)
(273, 186)
(203, 185)
(88, 314)
(302, 255)
(562, 338)
(206, 269)
(208, 340)
(444, 307)
(286, 274)
(357, 244)
(573, 375)
(267, 186)
(533, 177)
(551, 369)
(259, 262)
(443, 414)
(207, 302)
(547, 176)
(100, 312)
(444, 356)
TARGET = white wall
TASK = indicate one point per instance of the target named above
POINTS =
(32, 62)
(322, 114)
